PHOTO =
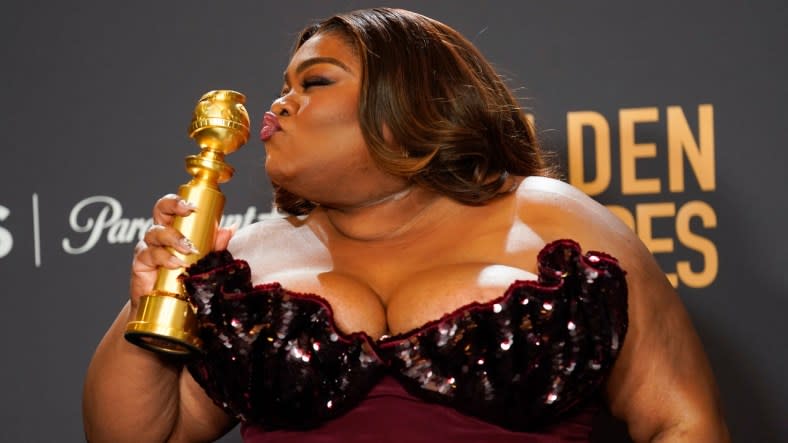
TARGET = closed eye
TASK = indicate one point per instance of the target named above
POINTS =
(308, 83)
(315, 81)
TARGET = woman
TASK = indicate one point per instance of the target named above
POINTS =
(399, 300)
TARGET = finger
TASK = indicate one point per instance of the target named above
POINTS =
(139, 247)
(152, 258)
(167, 236)
(223, 236)
(170, 206)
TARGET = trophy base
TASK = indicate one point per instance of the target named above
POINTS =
(164, 324)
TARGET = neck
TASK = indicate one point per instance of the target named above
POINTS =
(380, 201)
(399, 215)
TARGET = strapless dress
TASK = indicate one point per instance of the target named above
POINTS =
(527, 366)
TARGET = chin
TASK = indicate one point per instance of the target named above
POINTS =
(278, 175)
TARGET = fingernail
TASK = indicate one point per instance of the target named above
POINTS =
(176, 262)
(187, 244)
(187, 204)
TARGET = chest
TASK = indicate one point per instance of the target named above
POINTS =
(394, 288)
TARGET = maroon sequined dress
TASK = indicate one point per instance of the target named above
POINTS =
(524, 367)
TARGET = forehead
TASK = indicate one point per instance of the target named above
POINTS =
(326, 45)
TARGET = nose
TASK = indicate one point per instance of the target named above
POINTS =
(284, 106)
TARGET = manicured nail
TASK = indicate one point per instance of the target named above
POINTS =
(187, 204)
(176, 262)
(188, 245)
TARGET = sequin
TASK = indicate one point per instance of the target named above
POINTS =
(507, 343)
(521, 361)
(300, 373)
(518, 360)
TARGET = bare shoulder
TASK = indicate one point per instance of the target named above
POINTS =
(544, 197)
(537, 186)
(555, 209)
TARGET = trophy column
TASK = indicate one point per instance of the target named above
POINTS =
(165, 320)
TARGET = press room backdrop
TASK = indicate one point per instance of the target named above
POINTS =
(671, 112)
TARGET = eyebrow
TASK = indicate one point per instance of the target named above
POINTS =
(316, 61)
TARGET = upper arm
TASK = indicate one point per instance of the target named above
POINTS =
(199, 419)
(661, 381)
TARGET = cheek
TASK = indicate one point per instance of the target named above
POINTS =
(337, 113)
(330, 132)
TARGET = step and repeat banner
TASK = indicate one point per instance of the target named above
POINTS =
(670, 113)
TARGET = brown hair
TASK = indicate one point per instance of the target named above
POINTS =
(457, 128)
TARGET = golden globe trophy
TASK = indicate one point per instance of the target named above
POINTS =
(165, 321)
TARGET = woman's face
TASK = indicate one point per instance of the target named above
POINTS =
(319, 153)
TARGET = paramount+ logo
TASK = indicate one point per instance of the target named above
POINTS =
(100, 218)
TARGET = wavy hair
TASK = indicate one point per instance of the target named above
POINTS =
(456, 127)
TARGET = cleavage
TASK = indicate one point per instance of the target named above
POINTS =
(429, 295)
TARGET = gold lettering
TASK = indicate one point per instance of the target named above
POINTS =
(700, 153)
(701, 244)
(631, 151)
(576, 121)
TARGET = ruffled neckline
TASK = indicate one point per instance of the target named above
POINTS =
(550, 280)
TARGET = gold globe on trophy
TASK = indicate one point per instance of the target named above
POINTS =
(165, 321)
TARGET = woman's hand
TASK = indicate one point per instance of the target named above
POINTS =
(152, 251)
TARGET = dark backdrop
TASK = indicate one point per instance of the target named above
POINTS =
(97, 96)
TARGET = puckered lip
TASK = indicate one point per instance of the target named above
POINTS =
(270, 126)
